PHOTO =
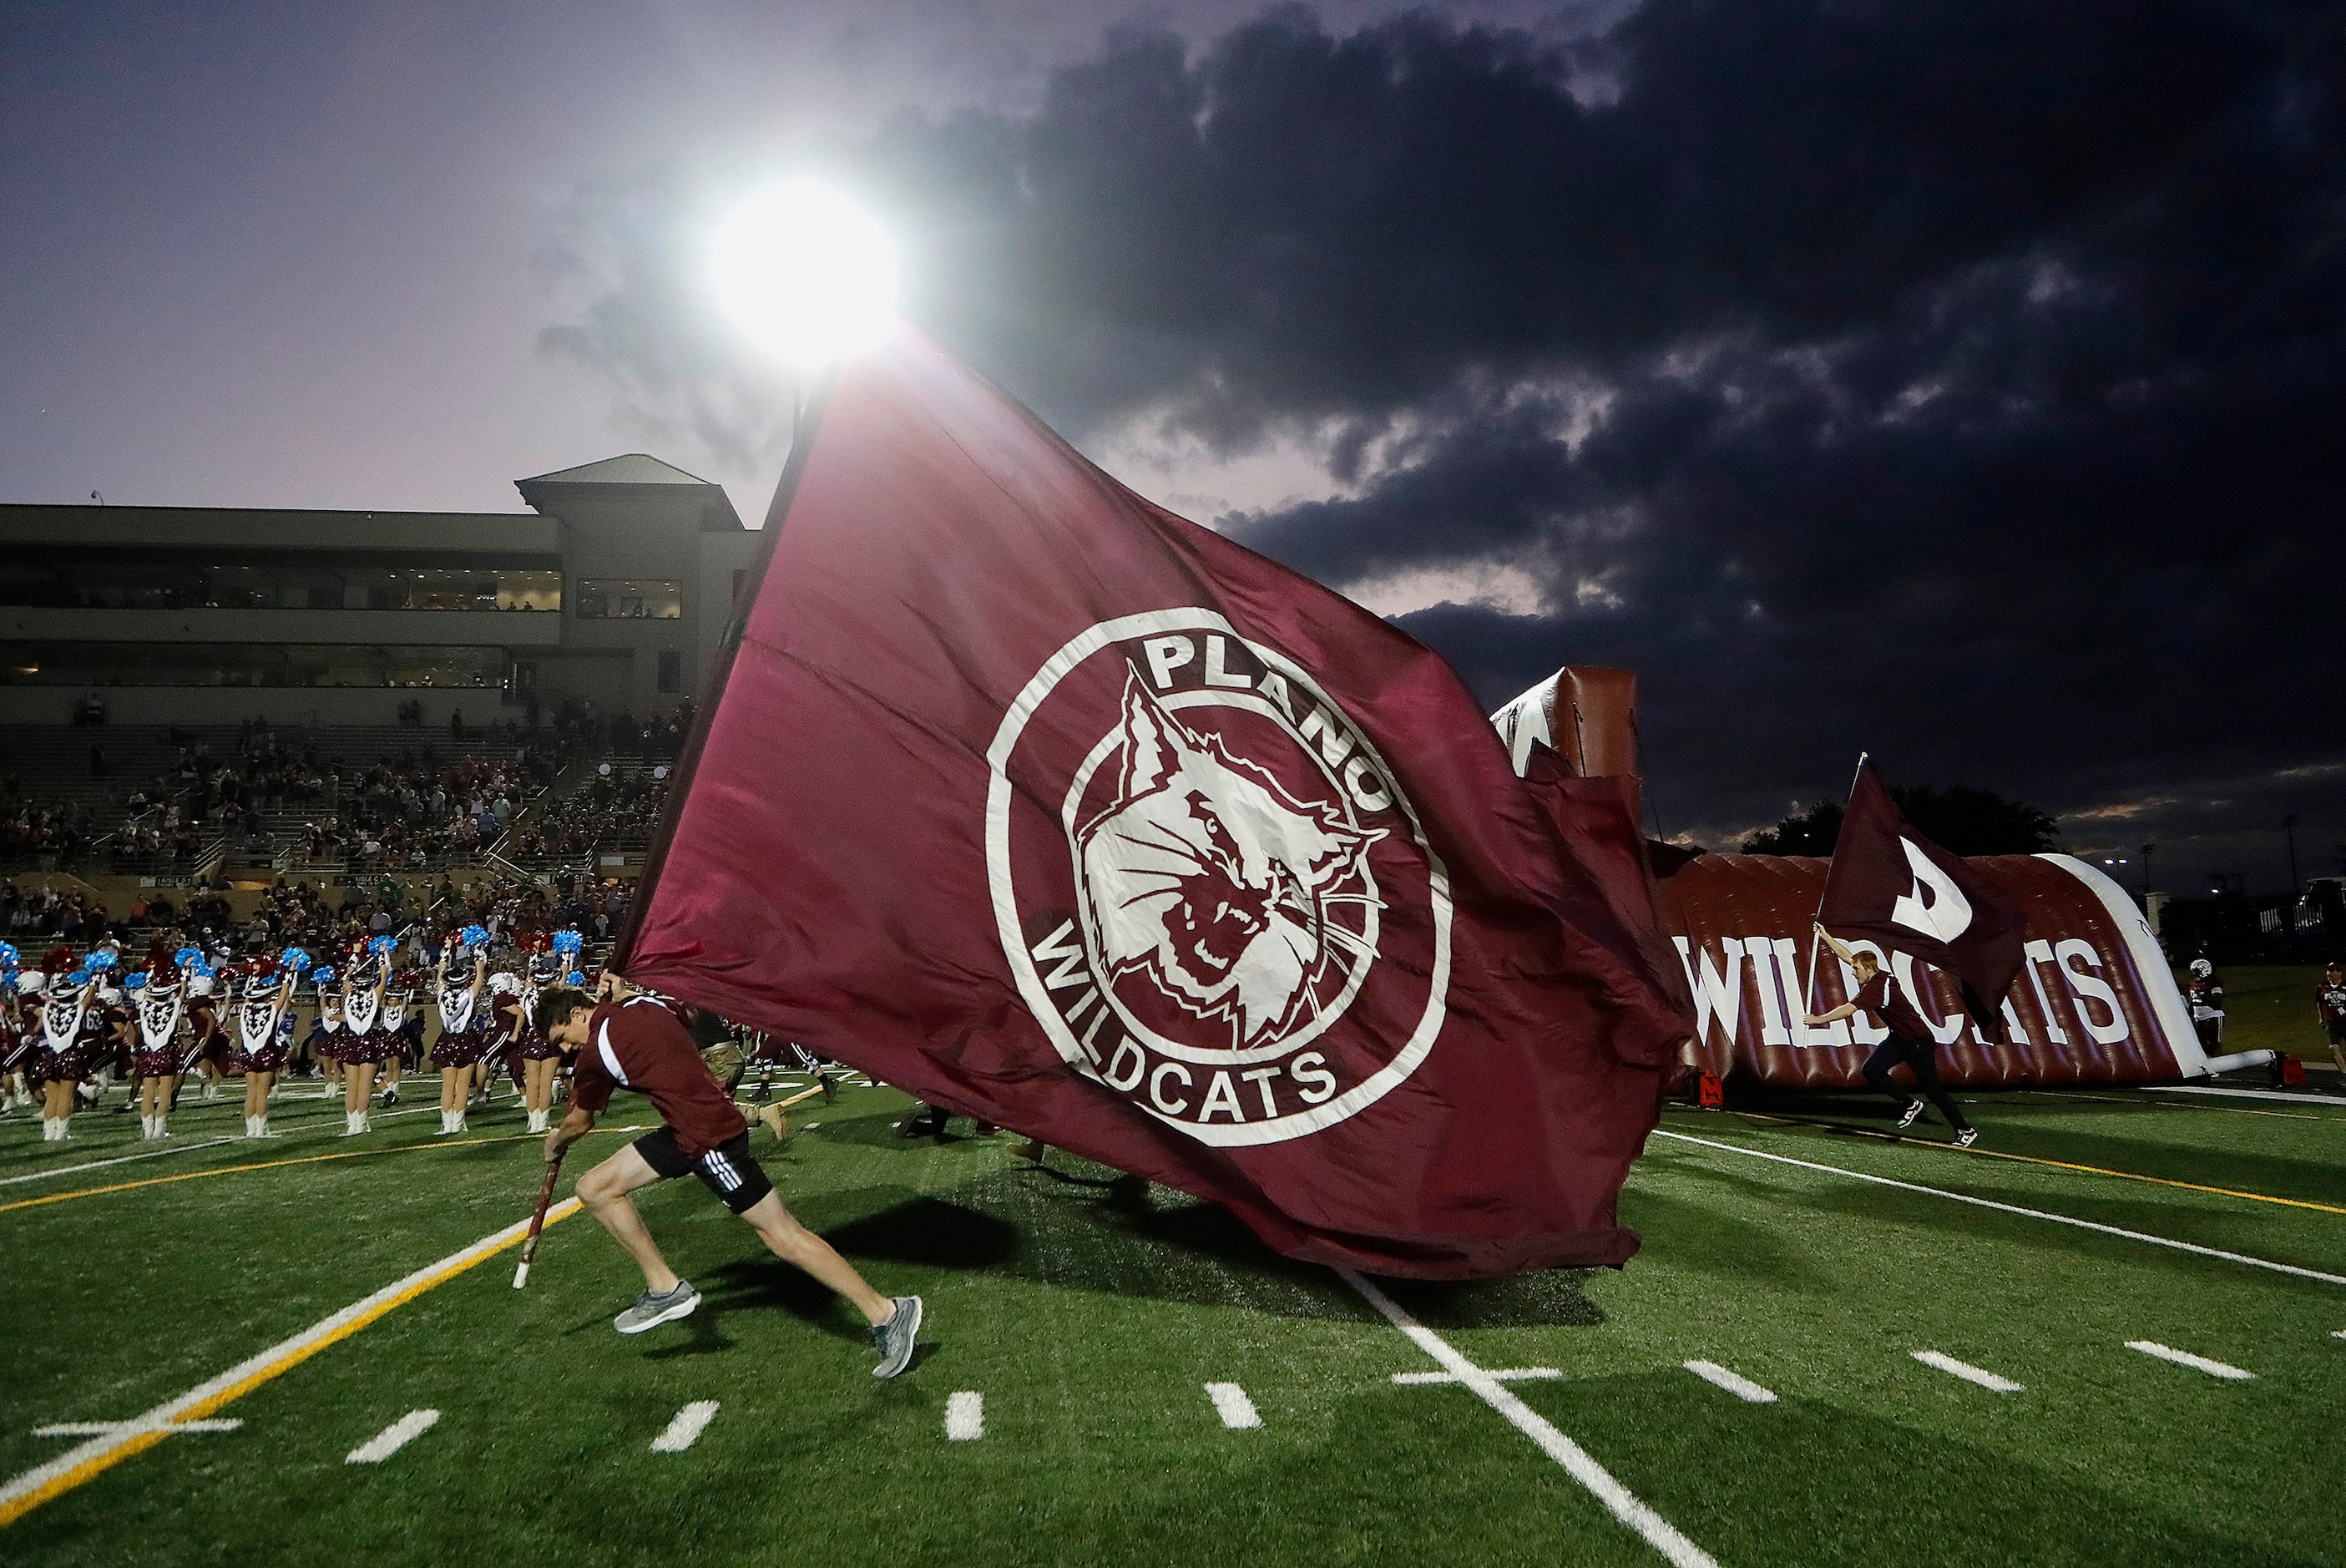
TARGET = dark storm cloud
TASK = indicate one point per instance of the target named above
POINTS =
(1957, 380)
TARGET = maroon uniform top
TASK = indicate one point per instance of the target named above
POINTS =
(1887, 1009)
(2332, 999)
(638, 1044)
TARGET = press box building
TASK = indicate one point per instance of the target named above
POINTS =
(615, 587)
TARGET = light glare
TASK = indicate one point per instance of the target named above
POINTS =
(806, 274)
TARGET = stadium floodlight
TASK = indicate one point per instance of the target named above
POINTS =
(806, 274)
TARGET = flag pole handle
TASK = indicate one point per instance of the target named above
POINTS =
(1816, 938)
(537, 1219)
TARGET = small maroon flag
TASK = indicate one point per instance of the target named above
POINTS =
(1030, 798)
(1890, 883)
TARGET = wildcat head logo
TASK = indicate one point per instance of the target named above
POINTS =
(1212, 895)
(1208, 877)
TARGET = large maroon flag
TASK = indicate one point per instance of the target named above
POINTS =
(1891, 884)
(1032, 798)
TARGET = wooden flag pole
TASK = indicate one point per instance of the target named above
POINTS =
(1816, 940)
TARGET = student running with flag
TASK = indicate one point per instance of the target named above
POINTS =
(636, 1043)
(1893, 886)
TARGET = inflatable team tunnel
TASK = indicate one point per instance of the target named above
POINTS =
(2095, 1003)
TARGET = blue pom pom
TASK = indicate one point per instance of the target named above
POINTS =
(79, 977)
(322, 974)
(9, 956)
(296, 959)
(573, 978)
(382, 945)
(568, 941)
(100, 960)
(187, 955)
(134, 982)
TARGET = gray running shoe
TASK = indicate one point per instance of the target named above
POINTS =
(894, 1339)
(651, 1311)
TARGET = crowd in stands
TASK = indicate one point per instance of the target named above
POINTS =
(32, 828)
(615, 810)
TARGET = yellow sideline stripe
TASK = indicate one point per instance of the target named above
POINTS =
(28, 1492)
(2039, 1160)
(273, 1165)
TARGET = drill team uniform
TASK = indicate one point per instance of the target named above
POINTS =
(464, 1040)
(161, 1022)
(639, 1045)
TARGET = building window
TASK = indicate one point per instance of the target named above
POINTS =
(135, 581)
(630, 599)
(671, 673)
(248, 665)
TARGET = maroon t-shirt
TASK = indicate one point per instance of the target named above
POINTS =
(1888, 1008)
(638, 1044)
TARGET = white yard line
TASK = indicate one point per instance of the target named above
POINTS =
(2314, 1098)
(964, 1417)
(23, 1493)
(117, 1160)
(2240, 1257)
(1502, 1374)
(393, 1438)
(107, 1429)
(1658, 1532)
(1742, 1388)
(2197, 1363)
(685, 1427)
(1969, 1373)
(1231, 1403)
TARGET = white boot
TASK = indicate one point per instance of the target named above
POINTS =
(211, 1090)
(456, 1123)
(329, 1091)
(49, 1129)
(162, 1127)
(146, 1128)
(65, 1129)
(350, 1123)
(537, 1121)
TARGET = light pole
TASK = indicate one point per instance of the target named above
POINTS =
(2146, 874)
(2289, 826)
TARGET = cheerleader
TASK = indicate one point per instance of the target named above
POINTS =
(364, 1039)
(403, 1025)
(264, 1031)
(208, 983)
(57, 1061)
(463, 1034)
(161, 1007)
(105, 1029)
(322, 1041)
(540, 1058)
(12, 1046)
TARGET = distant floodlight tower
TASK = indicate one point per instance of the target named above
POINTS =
(806, 274)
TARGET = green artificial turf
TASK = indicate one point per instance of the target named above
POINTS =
(1090, 1310)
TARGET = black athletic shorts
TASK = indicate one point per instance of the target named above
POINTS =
(731, 1172)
